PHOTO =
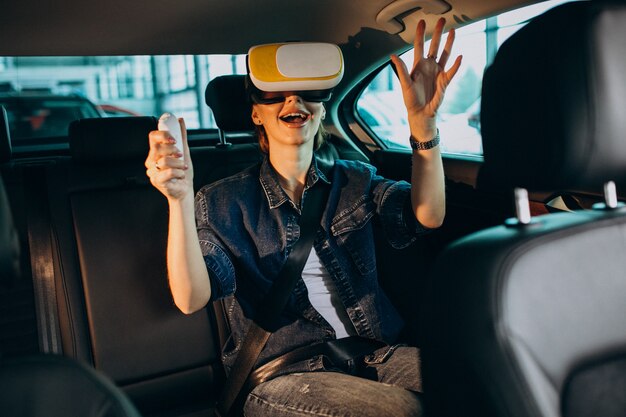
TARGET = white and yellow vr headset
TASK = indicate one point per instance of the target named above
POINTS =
(311, 70)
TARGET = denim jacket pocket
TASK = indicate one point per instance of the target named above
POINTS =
(352, 233)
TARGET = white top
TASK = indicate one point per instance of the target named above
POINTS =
(324, 297)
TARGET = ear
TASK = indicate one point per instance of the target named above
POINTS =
(323, 112)
(255, 117)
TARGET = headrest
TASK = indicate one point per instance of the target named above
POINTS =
(227, 97)
(9, 242)
(295, 66)
(110, 138)
(553, 110)
(5, 136)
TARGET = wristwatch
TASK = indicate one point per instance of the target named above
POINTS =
(422, 146)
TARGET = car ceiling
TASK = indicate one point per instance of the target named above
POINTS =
(133, 27)
(159, 27)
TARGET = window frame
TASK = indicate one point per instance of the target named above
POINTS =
(365, 135)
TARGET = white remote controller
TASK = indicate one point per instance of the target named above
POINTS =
(169, 123)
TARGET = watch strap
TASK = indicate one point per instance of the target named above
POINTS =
(423, 146)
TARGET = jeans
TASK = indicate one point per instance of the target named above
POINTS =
(389, 387)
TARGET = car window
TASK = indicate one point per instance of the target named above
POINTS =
(380, 105)
(43, 95)
(36, 117)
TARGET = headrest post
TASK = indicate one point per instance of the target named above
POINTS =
(222, 137)
(610, 199)
(610, 195)
(522, 206)
(522, 210)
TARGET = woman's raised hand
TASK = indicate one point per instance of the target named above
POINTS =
(423, 88)
(169, 168)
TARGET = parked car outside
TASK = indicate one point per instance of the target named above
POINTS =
(116, 111)
(45, 115)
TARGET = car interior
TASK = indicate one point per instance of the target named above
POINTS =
(517, 302)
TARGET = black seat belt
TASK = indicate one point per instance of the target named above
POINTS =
(274, 302)
(41, 256)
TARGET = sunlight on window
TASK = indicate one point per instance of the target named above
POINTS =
(112, 86)
(381, 108)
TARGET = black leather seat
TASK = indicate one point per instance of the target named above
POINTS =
(55, 386)
(116, 307)
(530, 319)
(49, 385)
(110, 231)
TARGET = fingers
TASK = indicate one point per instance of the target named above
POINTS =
(173, 161)
(166, 169)
(435, 42)
(433, 51)
(454, 68)
(443, 80)
(418, 43)
(162, 177)
(168, 181)
(164, 165)
(162, 144)
(402, 71)
(447, 49)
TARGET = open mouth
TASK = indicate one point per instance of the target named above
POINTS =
(295, 119)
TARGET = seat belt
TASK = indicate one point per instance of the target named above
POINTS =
(274, 302)
(41, 258)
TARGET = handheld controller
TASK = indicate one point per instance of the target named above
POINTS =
(169, 123)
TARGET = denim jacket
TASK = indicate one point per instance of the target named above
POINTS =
(247, 226)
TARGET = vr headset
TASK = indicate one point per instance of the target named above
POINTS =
(308, 70)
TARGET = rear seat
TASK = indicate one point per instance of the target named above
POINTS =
(48, 385)
(107, 232)
(109, 229)
(115, 308)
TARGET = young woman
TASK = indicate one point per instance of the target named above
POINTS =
(246, 225)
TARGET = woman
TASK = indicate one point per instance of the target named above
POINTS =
(247, 223)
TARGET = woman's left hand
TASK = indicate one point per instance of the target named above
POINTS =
(424, 87)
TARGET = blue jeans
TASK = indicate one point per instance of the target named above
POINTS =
(389, 387)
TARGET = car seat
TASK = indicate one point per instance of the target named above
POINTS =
(49, 385)
(528, 318)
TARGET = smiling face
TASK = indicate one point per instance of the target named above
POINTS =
(292, 122)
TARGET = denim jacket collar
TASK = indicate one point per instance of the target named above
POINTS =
(271, 186)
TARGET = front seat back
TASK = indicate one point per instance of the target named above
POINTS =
(56, 386)
(530, 319)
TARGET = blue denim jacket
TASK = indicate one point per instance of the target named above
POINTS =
(247, 225)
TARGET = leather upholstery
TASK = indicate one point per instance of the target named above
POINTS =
(227, 97)
(116, 309)
(47, 385)
(529, 320)
(94, 140)
(54, 386)
(552, 102)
